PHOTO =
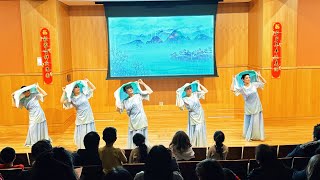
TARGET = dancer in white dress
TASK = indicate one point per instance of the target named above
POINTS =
(76, 95)
(138, 122)
(196, 119)
(253, 128)
(30, 96)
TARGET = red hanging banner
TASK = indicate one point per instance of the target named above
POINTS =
(46, 56)
(276, 50)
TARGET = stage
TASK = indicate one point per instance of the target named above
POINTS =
(163, 125)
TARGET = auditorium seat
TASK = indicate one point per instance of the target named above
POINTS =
(286, 161)
(299, 163)
(31, 158)
(188, 169)
(22, 158)
(134, 168)
(200, 153)
(239, 167)
(11, 173)
(249, 152)
(127, 153)
(234, 153)
(284, 150)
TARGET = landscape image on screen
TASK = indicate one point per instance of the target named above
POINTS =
(161, 46)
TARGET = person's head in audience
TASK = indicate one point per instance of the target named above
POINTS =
(313, 168)
(40, 147)
(218, 137)
(118, 173)
(8, 155)
(180, 141)
(91, 141)
(209, 169)
(139, 140)
(62, 155)
(158, 165)
(53, 165)
(316, 132)
(109, 135)
(229, 175)
(266, 156)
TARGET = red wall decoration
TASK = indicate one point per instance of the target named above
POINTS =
(276, 50)
(46, 56)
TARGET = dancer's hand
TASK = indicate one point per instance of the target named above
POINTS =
(259, 74)
(140, 81)
(64, 89)
(118, 110)
(86, 79)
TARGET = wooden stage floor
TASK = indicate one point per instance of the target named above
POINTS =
(163, 125)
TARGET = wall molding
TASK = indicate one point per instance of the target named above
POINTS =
(105, 70)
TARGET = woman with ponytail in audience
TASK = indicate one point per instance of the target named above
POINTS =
(218, 151)
(139, 154)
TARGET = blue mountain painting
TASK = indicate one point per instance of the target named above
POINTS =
(161, 46)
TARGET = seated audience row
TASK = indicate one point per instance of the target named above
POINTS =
(160, 162)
